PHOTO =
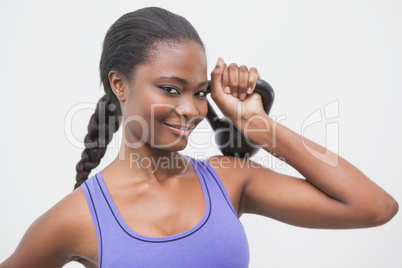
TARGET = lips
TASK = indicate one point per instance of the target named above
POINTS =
(179, 126)
(182, 131)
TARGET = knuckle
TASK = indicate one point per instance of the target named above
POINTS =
(215, 72)
(243, 68)
(254, 70)
(233, 66)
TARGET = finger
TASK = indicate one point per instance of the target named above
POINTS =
(225, 80)
(243, 81)
(252, 79)
(216, 79)
(234, 79)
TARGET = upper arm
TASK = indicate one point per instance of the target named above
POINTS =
(256, 189)
(52, 239)
(294, 201)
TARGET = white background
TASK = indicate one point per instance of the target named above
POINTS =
(312, 52)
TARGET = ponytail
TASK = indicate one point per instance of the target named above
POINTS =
(103, 123)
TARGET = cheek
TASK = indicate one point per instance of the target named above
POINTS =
(148, 104)
(160, 111)
(145, 116)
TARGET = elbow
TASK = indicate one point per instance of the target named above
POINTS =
(390, 211)
(383, 212)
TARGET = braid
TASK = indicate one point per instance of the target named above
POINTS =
(103, 123)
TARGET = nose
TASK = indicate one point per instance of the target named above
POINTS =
(188, 108)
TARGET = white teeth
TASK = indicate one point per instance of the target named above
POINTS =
(182, 128)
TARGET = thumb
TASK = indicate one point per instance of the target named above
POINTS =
(216, 79)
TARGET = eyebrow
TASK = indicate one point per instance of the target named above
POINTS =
(181, 80)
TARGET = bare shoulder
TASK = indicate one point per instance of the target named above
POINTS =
(58, 236)
(235, 168)
(234, 173)
(232, 163)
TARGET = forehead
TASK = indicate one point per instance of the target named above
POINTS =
(182, 59)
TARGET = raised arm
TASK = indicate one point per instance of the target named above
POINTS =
(332, 194)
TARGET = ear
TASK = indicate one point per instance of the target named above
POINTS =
(118, 84)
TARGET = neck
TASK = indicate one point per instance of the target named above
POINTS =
(148, 163)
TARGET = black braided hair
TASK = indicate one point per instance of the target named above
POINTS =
(127, 44)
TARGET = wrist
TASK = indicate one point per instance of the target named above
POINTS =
(259, 129)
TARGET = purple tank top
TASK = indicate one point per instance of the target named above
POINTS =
(217, 240)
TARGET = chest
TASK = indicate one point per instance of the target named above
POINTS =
(184, 213)
(162, 210)
(215, 238)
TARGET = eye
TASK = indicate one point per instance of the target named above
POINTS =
(169, 89)
(203, 94)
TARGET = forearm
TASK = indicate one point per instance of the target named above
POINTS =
(327, 171)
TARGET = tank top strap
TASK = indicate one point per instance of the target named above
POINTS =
(212, 179)
(96, 207)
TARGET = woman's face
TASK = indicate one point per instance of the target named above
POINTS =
(168, 90)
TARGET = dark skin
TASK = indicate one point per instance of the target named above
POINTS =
(329, 196)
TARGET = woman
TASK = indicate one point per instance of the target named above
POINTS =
(154, 207)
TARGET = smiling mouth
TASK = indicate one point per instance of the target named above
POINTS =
(180, 130)
(188, 128)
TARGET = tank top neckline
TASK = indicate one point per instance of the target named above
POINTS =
(188, 232)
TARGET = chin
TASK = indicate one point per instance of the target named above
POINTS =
(173, 145)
